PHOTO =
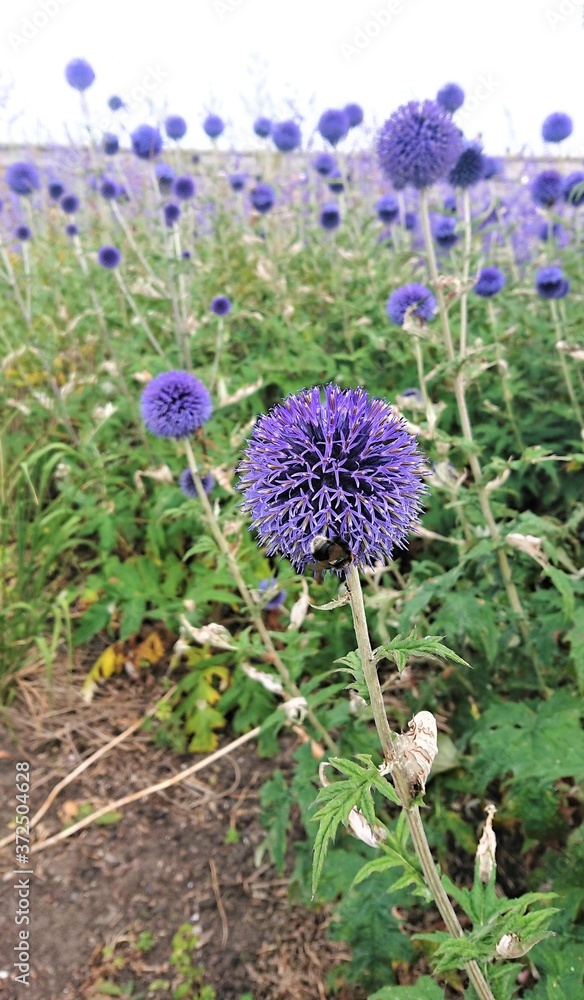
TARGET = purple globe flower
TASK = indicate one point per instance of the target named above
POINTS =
(146, 142)
(262, 127)
(221, 305)
(108, 189)
(333, 462)
(187, 484)
(449, 203)
(23, 178)
(262, 197)
(354, 113)
(111, 144)
(175, 404)
(171, 213)
(286, 136)
(444, 231)
(330, 216)
(410, 221)
(324, 164)
(411, 295)
(70, 204)
(387, 208)
(556, 127)
(492, 167)
(213, 126)
(547, 188)
(418, 145)
(335, 181)
(71, 229)
(55, 189)
(270, 586)
(333, 125)
(468, 169)
(23, 233)
(490, 281)
(165, 175)
(109, 257)
(184, 188)
(551, 284)
(115, 103)
(574, 188)
(79, 74)
(450, 97)
(237, 182)
(175, 127)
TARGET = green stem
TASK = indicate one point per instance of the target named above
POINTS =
(565, 369)
(128, 297)
(465, 270)
(504, 373)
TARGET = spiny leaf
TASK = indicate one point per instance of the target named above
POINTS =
(402, 647)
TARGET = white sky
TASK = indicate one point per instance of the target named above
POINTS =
(517, 60)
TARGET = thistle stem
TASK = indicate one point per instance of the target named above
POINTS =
(565, 369)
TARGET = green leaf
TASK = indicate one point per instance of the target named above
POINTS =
(564, 585)
(424, 989)
(133, 615)
(576, 639)
(401, 648)
(276, 800)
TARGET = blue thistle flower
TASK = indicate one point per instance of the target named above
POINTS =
(23, 178)
(71, 229)
(330, 216)
(70, 204)
(324, 164)
(187, 484)
(221, 305)
(354, 113)
(111, 144)
(449, 203)
(333, 125)
(175, 404)
(444, 231)
(551, 284)
(237, 182)
(556, 231)
(146, 142)
(418, 145)
(278, 597)
(411, 295)
(165, 175)
(109, 257)
(262, 127)
(342, 466)
(574, 188)
(547, 188)
(184, 188)
(23, 233)
(79, 74)
(490, 281)
(387, 208)
(171, 213)
(492, 167)
(468, 169)
(262, 197)
(410, 221)
(115, 103)
(175, 127)
(450, 97)
(556, 127)
(335, 181)
(55, 189)
(286, 136)
(108, 189)
(213, 126)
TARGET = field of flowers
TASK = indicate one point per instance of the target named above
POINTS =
(176, 504)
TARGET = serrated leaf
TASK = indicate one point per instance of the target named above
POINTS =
(424, 989)
(402, 647)
(565, 587)
(576, 639)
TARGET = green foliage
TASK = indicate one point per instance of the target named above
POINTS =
(425, 989)
(402, 647)
(190, 986)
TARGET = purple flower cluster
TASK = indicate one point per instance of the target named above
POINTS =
(551, 284)
(23, 178)
(450, 97)
(409, 296)
(490, 281)
(175, 404)
(286, 136)
(418, 145)
(333, 125)
(146, 142)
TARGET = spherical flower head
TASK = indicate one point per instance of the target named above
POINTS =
(237, 182)
(407, 296)
(410, 221)
(324, 164)
(449, 203)
(574, 188)
(187, 484)
(175, 404)
(492, 167)
(23, 178)
(354, 113)
(109, 257)
(55, 189)
(468, 169)
(70, 204)
(108, 189)
(551, 284)
(547, 188)
(23, 233)
(71, 229)
(387, 208)
(79, 74)
(418, 145)
(335, 181)
(286, 136)
(146, 142)
(262, 127)
(342, 466)
(444, 231)
(213, 126)
(557, 127)
(175, 127)
(221, 305)
(450, 97)
(111, 144)
(165, 175)
(333, 125)
(115, 103)
(330, 216)
(277, 598)
(184, 188)
(490, 281)
(262, 197)
(171, 213)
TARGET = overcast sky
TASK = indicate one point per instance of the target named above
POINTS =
(517, 60)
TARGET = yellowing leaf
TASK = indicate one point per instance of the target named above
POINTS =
(110, 662)
(150, 650)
